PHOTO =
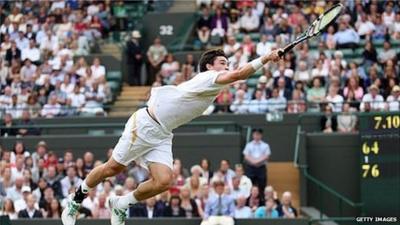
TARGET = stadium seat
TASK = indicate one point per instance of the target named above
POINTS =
(114, 76)
(114, 86)
(252, 82)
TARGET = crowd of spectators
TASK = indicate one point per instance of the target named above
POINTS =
(35, 183)
(39, 42)
(344, 65)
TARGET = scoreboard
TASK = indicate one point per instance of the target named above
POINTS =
(380, 164)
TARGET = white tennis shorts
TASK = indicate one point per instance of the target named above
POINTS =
(145, 141)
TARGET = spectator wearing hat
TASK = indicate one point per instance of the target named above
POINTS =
(134, 54)
(393, 100)
(256, 154)
(220, 208)
(30, 211)
(21, 203)
(373, 99)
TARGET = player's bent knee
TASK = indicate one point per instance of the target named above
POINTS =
(164, 183)
(112, 168)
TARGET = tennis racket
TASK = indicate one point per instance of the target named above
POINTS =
(316, 27)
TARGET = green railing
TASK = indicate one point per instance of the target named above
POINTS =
(321, 186)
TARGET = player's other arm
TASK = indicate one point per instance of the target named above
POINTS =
(245, 71)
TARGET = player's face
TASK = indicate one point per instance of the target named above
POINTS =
(220, 64)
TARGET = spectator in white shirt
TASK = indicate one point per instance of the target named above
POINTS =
(302, 73)
(334, 98)
(365, 27)
(388, 16)
(6, 98)
(94, 100)
(276, 102)
(28, 70)
(20, 204)
(245, 182)
(241, 210)
(264, 46)
(393, 100)
(98, 71)
(250, 21)
(91, 201)
(240, 105)
(256, 154)
(374, 100)
(52, 108)
(346, 37)
(387, 54)
(22, 42)
(71, 180)
(395, 29)
(237, 60)
(57, 4)
(258, 105)
(231, 46)
(236, 190)
(78, 99)
(32, 52)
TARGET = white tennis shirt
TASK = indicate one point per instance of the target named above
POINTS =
(174, 106)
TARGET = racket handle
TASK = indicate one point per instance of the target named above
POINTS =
(286, 49)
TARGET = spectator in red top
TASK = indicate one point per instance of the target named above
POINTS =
(224, 100)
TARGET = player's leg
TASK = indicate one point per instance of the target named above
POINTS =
(121, 156)
(97, 175)
(160, 180)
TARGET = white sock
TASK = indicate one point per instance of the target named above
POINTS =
(126, 201)
(84, 187)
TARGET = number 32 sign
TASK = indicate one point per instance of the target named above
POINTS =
(166, 30)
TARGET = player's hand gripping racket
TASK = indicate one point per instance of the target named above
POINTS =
(316, 27)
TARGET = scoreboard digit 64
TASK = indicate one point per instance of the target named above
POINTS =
(380, 164)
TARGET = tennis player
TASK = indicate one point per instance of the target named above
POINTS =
(147, 137)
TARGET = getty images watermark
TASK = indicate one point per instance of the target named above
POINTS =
(390, 219)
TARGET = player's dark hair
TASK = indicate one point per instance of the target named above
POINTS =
(208, 57)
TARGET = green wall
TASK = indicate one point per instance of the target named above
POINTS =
(334, 160)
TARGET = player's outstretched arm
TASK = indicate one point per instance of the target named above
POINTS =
(245, 71)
